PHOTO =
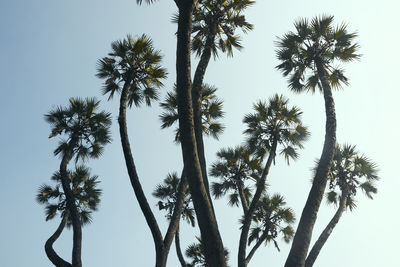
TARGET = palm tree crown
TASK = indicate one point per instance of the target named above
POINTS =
(86, 129)
(219, 19)
(167, 192)
(272, 218)
(275, 122)
(85, 191)
(134, 64)
(349, 172)
(211, 110)
(234, 167)
(316, 42)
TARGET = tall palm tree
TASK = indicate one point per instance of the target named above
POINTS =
(133, 69)
(271, 218)
(349, 172)
(86, 197)
(308, 57)
(211, 110)
(235, 167)
(214, 25)
(85, 132)
(168, 193)
(273, 124)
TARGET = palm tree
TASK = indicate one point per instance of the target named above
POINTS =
(235, 166)
(195, 252)
(308, 56)
(211, 110)
(349, 172)
(133, 69)
(274, 124)
(85, 133)
(214, 25)
(271, 219)
(168, 193)
(86, 196)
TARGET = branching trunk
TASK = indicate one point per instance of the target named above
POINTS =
(133, 176)
(256, 246)
(197, 102)
(316, 249)
(302, 238)
(178, 249)
(51, 254)
(214, 250)
(73, 210)
(248, 215)
(162, 246)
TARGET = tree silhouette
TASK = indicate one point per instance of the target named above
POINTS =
(308, 56)
(349, 172)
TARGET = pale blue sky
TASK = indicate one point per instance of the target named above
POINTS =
(49, 51)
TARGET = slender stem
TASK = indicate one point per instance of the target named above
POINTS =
(248, 215)
(178, 249)
(302, 238)
(48, 247)
(256, 246)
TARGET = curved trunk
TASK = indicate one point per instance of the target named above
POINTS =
(214, 250)
(256, 246)
(178, 249)
(133, 176)
(197, 102)
(302, 238)
(312, 256)
(48, 247)
(70, 200)
(248, 215)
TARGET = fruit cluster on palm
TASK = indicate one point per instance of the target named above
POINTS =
(308, 56)
(85, 131)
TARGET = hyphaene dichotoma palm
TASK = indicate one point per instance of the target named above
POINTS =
(85, 132)
(350, 172)
(308, 57)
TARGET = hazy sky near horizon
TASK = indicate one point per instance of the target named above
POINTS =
(49, 51)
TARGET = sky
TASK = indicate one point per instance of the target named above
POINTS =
(49, 51)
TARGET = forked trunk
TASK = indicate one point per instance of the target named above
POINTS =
(70, 200)
(48, 247)
(179, 250)
(302, 238)
(248, 215)
(316, 249)
(197, 103)
(214, 250)
(256, 246)
(162, 246)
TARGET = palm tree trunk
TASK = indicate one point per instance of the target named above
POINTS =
(248, 215)
(197, 101)
(48, 247)
(243, 199)
(214, 250)
(302, 238)
(256, 246)
(178, 249)
(133, 176)
(73, 210)
(316, 249)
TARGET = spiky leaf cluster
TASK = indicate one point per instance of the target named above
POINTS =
(195, 252)
(82, 126)
(167, 192)
(85, 192)
(271, 219)
(211, 110)
(275, 121)
(349, 172)
(234, 167)
(316, 41)
(219, 20)
(133, 63)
